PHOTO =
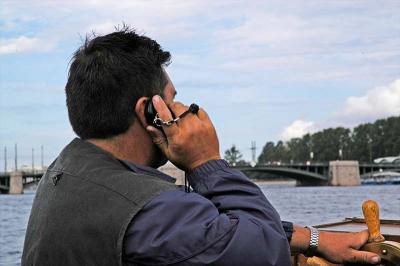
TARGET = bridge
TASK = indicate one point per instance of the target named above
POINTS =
(305, 174)
(314, 173)
(15, 182)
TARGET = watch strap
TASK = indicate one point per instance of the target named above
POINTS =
(314, 240)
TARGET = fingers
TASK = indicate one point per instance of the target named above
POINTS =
(161, 108)
(343, 247)
(178, 108)
(202, 114)
(362, 238)
(165, 114)
(158, 138)
(187, 142)
(364, 257)
(173, 110)
(186, 121)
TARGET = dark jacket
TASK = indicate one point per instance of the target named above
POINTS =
(225, 221)
(83, 206)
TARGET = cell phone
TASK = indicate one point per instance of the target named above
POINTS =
(150, 113)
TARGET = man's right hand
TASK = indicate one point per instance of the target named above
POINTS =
(189, 142)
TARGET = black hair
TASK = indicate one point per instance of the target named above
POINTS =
(107, 76)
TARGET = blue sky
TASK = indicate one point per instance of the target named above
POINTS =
(264, 70)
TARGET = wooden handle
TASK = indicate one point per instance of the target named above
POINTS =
(316, 261)
(371, 214)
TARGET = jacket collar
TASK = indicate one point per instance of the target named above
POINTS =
(80, 154)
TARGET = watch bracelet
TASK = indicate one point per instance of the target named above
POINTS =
(314, 241)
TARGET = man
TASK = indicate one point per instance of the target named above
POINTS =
(102, 202)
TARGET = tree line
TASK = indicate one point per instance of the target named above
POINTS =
(362, 143)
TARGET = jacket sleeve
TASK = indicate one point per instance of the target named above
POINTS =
(226, 221)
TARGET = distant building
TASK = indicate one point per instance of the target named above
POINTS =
(388, 160)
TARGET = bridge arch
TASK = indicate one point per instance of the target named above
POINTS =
(302, 176)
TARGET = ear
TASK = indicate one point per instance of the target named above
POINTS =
(139, 110)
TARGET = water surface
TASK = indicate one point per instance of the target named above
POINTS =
(301, 205)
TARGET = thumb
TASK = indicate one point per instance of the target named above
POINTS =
(365, 257)
(158, 138)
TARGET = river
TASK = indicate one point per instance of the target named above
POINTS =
(301, 205)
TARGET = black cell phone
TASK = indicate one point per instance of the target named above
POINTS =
(150, 113)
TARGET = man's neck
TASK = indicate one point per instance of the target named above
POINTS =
(127, 146)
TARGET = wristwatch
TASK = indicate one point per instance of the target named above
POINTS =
(314, 238)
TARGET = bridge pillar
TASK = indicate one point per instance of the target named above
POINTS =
(16, 185)
(344, 173)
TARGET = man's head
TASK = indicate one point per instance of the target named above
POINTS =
(108, 75)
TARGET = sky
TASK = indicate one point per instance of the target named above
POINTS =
(263, 70)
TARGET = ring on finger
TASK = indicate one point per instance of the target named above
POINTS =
(193, 108)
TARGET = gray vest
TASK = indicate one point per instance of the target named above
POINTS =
(83, 206)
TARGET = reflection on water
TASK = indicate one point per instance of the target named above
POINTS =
(301, 205)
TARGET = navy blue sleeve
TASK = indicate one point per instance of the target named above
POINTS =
(226, 221)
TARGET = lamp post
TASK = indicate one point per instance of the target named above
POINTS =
(41, 156)
(370, 153)
(5, 159)
(33, 160)
(16, 156)
(370, 148)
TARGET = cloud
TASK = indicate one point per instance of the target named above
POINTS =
(275, 35)
(252, 57)
(23, 44)
(297, 129)
(309, 43)
(376, 103)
